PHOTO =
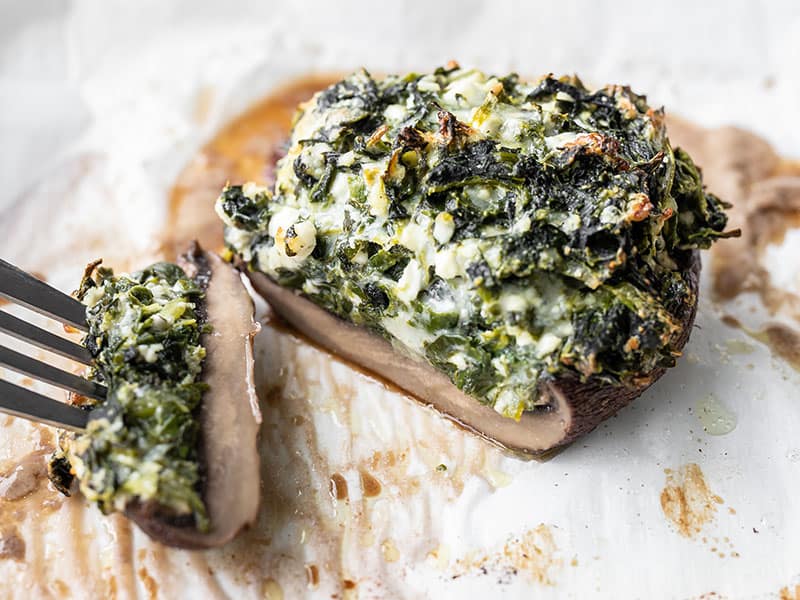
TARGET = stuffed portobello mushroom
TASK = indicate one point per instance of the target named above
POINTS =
(173, 446)
(523, 256)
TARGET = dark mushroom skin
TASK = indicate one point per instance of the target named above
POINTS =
(523, 256)
(174, 445)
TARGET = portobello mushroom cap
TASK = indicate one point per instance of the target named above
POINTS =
(229, 415)
(574, 408)
(523, 256)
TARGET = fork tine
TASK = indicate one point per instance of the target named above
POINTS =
(22, 330)
(21, 402)
(49, 374)
(23, 288)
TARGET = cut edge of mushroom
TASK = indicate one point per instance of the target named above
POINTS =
(229, 415)
(574, 408)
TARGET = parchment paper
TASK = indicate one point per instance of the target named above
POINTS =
(102, 103)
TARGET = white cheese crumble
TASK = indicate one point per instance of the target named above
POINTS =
(458, 360)
(414, 237)
(93, 296)
(443, 227)
(413, 339)
(411, 281)
(149, 352)
(610, 214)
(295, 240)
(376, 196)
(546, 344)
(446, 263)
(252, 189)
(556, 141)
(522, 225)
(508, 405)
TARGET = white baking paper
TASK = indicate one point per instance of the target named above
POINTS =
(99, 112)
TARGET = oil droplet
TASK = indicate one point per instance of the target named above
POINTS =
(312, 573)
(495, 478)
(717, 419)
(441, 556)
(338, 487)
(271, 590)
(389, 551)
(370, 485)
(736, 346)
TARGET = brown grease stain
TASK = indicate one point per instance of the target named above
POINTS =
(393, 468)
(338, 487)
(246, 149)
(534, 555)
(788, 167)
(782, 340)
(149, 583)
(271, 590)
(62, 589)
(786, 593)
(312, 572)
(687, 501)
(22, 495)
(24, 478)
(389, 551)
(111, 588)
(12, 546)
(286, 498)
(764, 189)
(369, 484)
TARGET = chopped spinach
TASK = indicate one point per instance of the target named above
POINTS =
(506, 232)
(142, 443)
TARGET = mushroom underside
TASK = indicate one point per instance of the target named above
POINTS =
(574, 407)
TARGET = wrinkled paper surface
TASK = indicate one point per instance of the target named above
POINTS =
(102, 104)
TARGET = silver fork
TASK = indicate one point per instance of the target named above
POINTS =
(22, 288)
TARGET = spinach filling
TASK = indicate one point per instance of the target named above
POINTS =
(142, 442)
(505, 232)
